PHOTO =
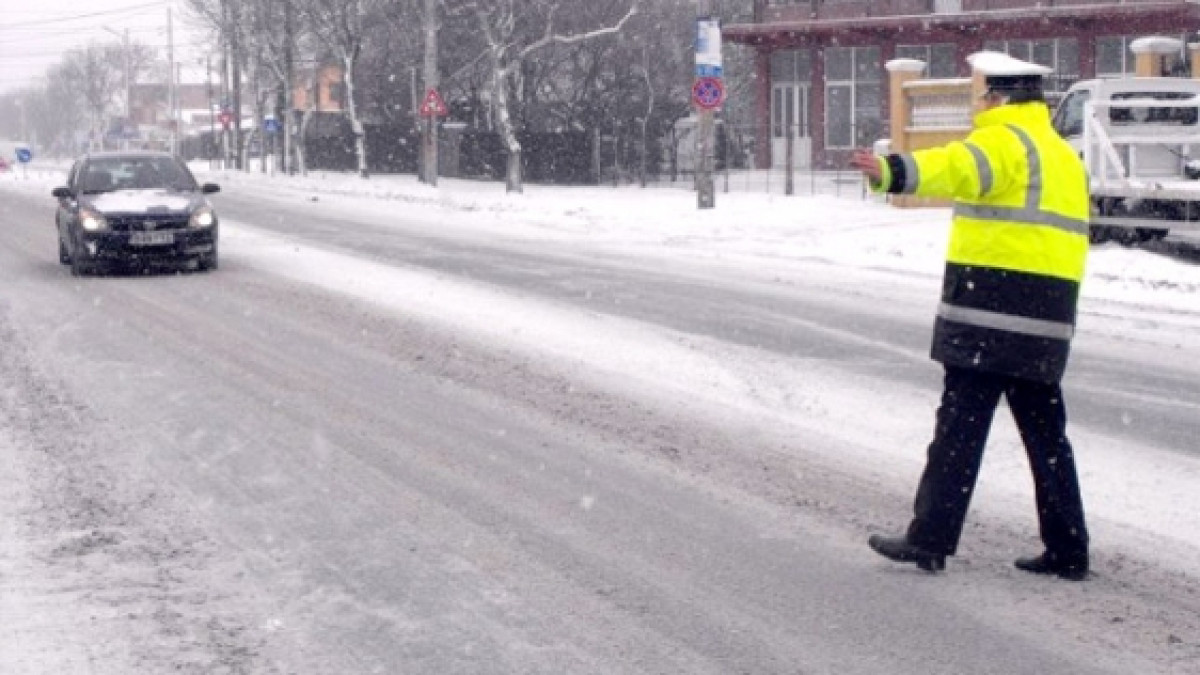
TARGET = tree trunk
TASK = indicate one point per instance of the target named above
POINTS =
(301, 155)
(642, 168)
(235, 50)
(429, 140)
(513, 181)
(356, 126)
(259, 115)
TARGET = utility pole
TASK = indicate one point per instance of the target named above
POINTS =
(429, 159)
(128, 80)
(288, 115)
(226, 34)
(172, 94)
(235, 81)
(212, 116)
(706, 197)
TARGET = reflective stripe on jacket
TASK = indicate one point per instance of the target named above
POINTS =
(1018, 244)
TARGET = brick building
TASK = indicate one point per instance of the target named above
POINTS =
(820, 63)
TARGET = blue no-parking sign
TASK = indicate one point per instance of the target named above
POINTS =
(24, 155)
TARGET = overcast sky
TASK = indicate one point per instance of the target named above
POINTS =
(35, 33)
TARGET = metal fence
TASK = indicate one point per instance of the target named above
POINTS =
(846, 183)
(673, 167)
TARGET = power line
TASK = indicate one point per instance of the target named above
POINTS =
(83, 46)
(123, 10)
(42, 34)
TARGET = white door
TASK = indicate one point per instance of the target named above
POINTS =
(790, 112)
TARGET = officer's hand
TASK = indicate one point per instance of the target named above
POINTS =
(868, 163)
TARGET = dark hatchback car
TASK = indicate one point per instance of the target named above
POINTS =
(134, 208)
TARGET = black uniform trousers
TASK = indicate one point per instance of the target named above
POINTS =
(964, 419)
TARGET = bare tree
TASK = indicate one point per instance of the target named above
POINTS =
(56, 113)
(267, 36)
(95, 73)
(343, 26)
(223, 16)
(269, 53)
(513, 31)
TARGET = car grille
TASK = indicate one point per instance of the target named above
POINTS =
(147, 223)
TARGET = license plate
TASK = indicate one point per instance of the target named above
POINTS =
(151, 238)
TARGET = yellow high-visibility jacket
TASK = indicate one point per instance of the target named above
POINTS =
(1018, 244)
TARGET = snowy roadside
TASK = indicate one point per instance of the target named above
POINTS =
(753, 231)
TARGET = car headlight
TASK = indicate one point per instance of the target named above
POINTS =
(203, 217)
(92, 221)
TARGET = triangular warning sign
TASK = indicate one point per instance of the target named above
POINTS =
(433, 105)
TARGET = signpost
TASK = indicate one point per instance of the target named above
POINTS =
(433, 105)
(271, 129)
(708, 93)
(431, 108)
(24, 156)
(433, 101)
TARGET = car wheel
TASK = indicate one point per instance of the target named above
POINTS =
(78, 268)
(63, 257)
(208, 262)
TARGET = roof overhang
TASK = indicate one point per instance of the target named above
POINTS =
(782, 33)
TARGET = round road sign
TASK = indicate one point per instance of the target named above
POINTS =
(708, 92)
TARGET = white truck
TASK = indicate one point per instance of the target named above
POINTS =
(1140, 140)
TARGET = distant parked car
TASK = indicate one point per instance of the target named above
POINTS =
(134, 208)
(3, 165)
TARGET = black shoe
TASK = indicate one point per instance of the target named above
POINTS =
(1073, 569)
(899, 550)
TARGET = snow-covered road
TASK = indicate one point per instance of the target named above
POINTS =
(578, 430)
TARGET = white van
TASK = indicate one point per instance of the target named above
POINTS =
(1140, 140)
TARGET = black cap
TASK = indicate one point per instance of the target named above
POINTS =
(1017, 88)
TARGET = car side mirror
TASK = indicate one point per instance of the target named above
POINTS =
(209, 188)
(62, 193)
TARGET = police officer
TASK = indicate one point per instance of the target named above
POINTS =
(1007, 315)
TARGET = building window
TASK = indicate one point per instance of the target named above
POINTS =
(1113, 58)
(1061, 54)
(853, 97)
(941, 60)
(791, 66)
(791, 75)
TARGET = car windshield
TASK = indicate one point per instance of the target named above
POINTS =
(107, 174)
